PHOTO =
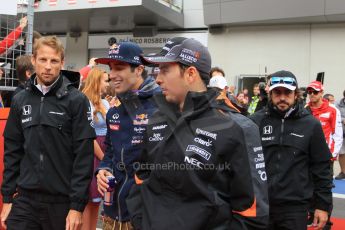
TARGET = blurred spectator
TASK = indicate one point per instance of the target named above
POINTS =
(220, 84)
(112, 42)
(302, 94)
(231, 90)
(243, 103)
(254, 100)
(341, 106)
(263, 96)
(241, 99)
(245, 92)
(5, 95)
(96, 84)
(2, 71)
(216, 71)
(329, 97)
(24, 69)
(13, 36)
(154, 72)
(85, 71)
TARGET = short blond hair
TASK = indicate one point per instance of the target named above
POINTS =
(51, 41)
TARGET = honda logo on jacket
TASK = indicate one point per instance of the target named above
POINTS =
(267, 129)
(26, 110)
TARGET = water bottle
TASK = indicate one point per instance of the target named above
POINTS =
(108, 195)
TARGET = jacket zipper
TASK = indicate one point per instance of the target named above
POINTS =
(123, 185)
(280, 142)
(282, 131)
(40, 133)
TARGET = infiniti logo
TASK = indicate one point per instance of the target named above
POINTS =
(268, 129)
(26, 109)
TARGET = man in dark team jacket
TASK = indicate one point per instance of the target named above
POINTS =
(202, 166)
(48, 147)
(297, 157)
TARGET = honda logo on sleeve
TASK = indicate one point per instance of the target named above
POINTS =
(26, 110)
(267, 129)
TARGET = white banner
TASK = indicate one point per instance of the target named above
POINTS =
(8, 7)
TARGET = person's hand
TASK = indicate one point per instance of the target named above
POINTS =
(102, 181)
(92, 62)
(108, 98)
(6, 208)
(23, 22)
(320, 219)
(73, 220)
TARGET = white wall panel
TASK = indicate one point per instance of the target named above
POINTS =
(303, 49)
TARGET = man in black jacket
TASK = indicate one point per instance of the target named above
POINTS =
(296, 157)
(202, 165)
(48, 147)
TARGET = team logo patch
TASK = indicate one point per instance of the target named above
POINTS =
(114, 127)
(114, 50)
(156, 137)
(141, 119)
(137, 140)
(159, 127)
(206, 133)
(139, 129)
(325, 115)
(201, 152)
(267, 130)
(26, 110)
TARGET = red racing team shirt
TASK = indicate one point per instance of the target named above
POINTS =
(330, 119)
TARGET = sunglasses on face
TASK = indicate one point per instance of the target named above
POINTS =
(283, 80)
(310, 92)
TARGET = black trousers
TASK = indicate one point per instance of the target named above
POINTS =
(29, 214)
(288, 220)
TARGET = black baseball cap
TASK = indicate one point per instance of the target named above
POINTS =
(187, 51)
(128, 52)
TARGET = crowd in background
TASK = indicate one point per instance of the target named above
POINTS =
(108, 103)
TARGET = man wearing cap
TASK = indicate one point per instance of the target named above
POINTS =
(328, 115)
(330, 119)
(294, 149)
(126, 123)
(202, 165)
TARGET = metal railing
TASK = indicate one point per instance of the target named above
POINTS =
(14, 45)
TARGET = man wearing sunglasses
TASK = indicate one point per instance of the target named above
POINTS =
(330, 119)
(328, 115)
(294, 149)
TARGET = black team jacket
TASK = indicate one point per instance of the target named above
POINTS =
(49, 143)
(297, 159)
(200, 169)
